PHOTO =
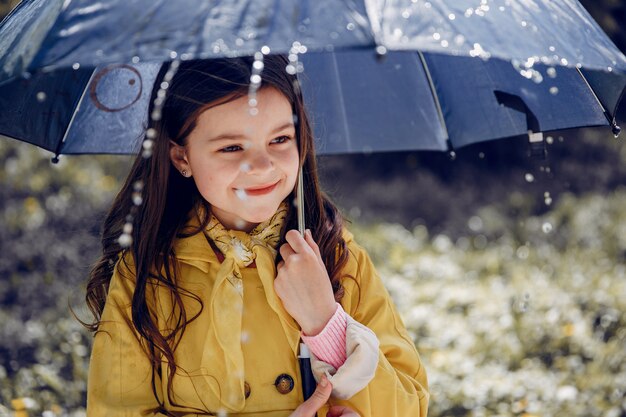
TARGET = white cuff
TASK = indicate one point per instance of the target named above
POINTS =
(360, 366)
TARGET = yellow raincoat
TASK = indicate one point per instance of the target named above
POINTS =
(119, 381)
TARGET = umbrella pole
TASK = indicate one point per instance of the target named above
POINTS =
(300, 203)
(304, 358)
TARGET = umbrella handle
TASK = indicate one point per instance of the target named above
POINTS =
(300, 202)
(308, 380)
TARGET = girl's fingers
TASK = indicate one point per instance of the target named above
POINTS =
(309, 239)
(297, 242)
(317, 400)
(286, 251)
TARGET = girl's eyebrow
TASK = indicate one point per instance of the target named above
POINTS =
(232, 136)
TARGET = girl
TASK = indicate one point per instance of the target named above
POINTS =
(201, 303)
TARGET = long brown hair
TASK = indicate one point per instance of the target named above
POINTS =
(167, 197)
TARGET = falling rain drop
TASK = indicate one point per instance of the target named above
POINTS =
(245, 336)
(451, 16)
(481, 155)
(549, 140)
(253, 111)
(222, 413)
(381, 50)
(241, 194)
(41, 96)
(137, 198)
(240, 224)
(529, 177)
(128, 228)
(245, 167)
(551, 72)
(265, 50)
(547, 198)
(125, 240)
(76, 66)
(452, 155)
(554, 91)
(546, 227)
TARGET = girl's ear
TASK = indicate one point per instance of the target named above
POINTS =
(178, 157)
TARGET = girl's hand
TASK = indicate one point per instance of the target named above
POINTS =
(302, 283)
(318, 399)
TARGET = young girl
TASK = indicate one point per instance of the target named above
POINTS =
(200, 306)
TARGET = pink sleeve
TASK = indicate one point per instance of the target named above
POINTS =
(330, 344)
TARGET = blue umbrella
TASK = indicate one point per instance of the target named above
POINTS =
(549, 67)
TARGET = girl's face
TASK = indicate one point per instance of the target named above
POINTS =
(243, 165)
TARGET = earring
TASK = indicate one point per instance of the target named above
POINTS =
(185, 173)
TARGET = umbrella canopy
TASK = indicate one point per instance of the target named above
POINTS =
(545, 65)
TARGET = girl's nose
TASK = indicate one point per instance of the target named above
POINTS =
(259, 162)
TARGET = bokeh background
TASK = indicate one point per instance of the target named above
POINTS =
(509, 271)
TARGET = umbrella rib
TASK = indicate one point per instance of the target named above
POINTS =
(608, 116)
(69, 125)
(433, 91)
(342, 104)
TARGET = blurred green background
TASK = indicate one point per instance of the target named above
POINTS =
(509, 272)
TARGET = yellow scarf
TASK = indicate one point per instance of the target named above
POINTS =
(240, 249)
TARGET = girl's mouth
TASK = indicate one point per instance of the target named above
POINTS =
(261, 190)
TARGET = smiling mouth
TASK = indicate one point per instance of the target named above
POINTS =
(264, 189)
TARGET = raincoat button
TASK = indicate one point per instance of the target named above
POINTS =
(284, 383)
(246, 387)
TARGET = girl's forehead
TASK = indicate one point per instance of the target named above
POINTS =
(234, 116)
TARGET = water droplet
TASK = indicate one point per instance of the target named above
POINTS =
(125, 240)
(173, 55)
(546, 227)
(564, 62)
(481, 155)
(245, 167)
(350, 26)
(245, 336)
(241, 194)
(554, 91)
(138, 185)
(41, 96)
(427, 5)
(436, 36)
(529, 177)
(137, 199)
(290, 69)
(135, 59)
(156, 115)
(222, 413)
(549, 140)
(459, 39)
(253, 111)
(265, 50)
(252, 102)
(552, 48)
(147, 144)
(128, 228)
(381, 50)
(258, 65)
(451, 16)
(551, 72)
(475, 223)
(255, 79)
(537, 77)
(146, 154)
(452, 155)
(444, 43)
(76, 66)
(406, 14)
(547, 200)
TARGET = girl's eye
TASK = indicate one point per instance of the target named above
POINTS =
(281, 139)
(232, 148)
